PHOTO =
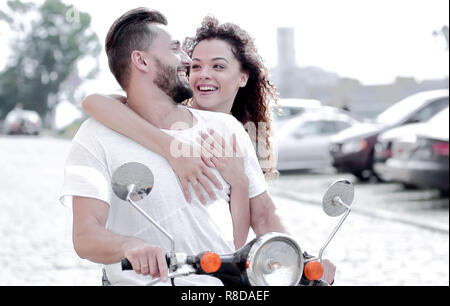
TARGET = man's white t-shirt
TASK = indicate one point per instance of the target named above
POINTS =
(98, 151)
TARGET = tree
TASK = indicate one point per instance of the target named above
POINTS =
(49, 42)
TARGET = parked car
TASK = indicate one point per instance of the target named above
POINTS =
(22, 122)
(304, 139)
(290, 108)
(421, 158)
(352, 150)
(383, 149)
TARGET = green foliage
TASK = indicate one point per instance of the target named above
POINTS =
(49, 42)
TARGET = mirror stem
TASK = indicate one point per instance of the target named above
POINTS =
(336, 229)
(131, 188)
(338, 201)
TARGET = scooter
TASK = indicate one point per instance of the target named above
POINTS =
(273, 259)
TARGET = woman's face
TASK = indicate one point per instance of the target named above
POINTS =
(215, 76)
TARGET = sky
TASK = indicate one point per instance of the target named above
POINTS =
(373, 41)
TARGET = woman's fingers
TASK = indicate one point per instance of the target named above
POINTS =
(206, 158)
(211, 146)
(201, 183)
(212, 177)
(207, 187)
(226, 149)
(197, 189)
(198, 174)
(218, 164)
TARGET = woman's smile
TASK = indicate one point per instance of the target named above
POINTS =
(206, 89)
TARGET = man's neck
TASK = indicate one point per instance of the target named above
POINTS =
(157, 108)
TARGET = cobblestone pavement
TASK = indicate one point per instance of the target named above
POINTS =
(425, 208)
(36, 247)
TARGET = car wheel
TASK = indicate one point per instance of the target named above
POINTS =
(443, 193)
(408, 186)
(363, 175)
(378, 177)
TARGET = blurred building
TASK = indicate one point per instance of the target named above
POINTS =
(286, 62)
(294, 81)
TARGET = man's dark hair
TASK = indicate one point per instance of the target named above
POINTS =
(129, 33)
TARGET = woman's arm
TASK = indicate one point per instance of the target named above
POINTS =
(240, 213)
(122, 119)
(112, 113)
(228, 160)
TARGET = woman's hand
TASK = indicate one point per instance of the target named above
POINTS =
(228, 160)
(226, 157)
(194, 169)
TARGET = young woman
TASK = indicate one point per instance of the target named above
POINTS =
(227, 75)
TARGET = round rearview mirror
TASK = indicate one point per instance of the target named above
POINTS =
(338, 197)
(134, 175)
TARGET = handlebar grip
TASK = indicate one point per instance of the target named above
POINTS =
(126, 265)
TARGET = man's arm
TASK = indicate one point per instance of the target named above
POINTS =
(263, 215)
(264, 220)
(94, 242)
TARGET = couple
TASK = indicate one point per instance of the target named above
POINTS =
(153, 70)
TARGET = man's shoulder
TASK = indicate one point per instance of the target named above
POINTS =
(91, 130)
(90, 123)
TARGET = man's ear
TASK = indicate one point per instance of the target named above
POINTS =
(244, 79)
(139, 60)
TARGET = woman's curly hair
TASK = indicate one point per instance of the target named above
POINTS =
(252, 103)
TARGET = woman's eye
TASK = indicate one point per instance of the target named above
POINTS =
(219, 67)
(195, 66)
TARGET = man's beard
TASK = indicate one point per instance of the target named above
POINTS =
(170, 83)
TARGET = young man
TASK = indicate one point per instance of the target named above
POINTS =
(151, 68)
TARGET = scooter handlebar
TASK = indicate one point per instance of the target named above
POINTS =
(126, 264)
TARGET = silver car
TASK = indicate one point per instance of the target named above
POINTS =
(304, 140)
(420, 154)
(292, 108)
(22, 122)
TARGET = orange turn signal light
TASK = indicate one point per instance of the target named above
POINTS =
(313, 270)
(210, 262)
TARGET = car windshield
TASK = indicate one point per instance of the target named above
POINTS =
(287, 112)
(442, 117)
(401, 110)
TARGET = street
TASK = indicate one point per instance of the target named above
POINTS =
(392, 237)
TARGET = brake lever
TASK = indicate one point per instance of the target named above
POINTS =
(184, 270)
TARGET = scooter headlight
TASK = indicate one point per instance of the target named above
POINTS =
(275, 260)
